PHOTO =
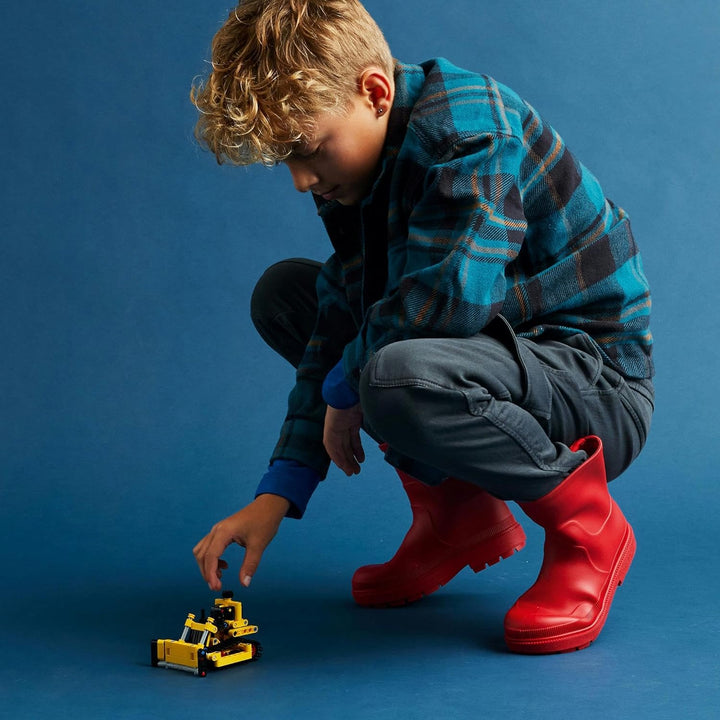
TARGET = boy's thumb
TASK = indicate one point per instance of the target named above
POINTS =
(250, 565)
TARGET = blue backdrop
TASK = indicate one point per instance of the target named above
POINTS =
(138, 406)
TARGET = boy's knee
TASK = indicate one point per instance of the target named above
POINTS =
(286, 286)
(410, 362)
(264, 297)
(388, 386)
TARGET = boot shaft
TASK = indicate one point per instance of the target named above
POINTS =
(455, 509)
(581, 500)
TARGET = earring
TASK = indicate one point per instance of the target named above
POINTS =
(380, 110)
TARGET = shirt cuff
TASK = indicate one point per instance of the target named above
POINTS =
(293, 481)
(336, 390)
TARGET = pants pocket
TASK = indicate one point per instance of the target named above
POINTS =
(537, 395)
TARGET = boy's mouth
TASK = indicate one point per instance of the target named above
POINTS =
(330, 194)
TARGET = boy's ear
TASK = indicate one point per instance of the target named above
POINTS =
(377, 88)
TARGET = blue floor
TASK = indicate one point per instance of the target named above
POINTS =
(138, 406)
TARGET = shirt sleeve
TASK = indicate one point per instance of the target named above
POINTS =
(291, 480)
(301, 435)
(336, 389)
(465, 228)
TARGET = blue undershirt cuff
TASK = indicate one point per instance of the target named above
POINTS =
(293, 481)
(336, 390)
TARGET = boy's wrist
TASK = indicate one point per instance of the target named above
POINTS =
(275, 504)
(292, 481)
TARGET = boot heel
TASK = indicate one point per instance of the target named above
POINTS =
(500, 547)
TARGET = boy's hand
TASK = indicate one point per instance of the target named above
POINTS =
(341, 437)
(253, 528)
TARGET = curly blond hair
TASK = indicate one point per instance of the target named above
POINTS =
(276, 65)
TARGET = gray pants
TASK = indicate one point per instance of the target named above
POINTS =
(493, 409)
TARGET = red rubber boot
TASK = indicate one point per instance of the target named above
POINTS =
(454, 524)
(589, 546)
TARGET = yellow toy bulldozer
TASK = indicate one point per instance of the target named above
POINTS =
(209, 643)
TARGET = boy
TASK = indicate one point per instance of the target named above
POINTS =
(484, 315)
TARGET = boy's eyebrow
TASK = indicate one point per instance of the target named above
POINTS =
(304, 150)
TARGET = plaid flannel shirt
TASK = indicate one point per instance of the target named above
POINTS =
(478, 209)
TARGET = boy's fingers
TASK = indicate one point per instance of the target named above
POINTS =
(221, 565)
(212, 572)
(341, 438)
(208, 555)
(250, 564)
(352, 452)
(348, 459)
(357, 447)
(212, 577)
(340, 452)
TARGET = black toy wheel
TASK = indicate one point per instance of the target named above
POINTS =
(203, 664)
(257, 650)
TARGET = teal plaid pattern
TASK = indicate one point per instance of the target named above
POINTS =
(479, 209)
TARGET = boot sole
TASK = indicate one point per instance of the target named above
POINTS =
(489, 552)
(545, 642)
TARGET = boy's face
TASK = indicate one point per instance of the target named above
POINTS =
(340, 162)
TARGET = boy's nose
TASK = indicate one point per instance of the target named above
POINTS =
(303, 177)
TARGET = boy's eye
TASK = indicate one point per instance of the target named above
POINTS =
(306, 153)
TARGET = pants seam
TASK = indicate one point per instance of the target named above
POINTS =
(412, 382)
(508, 430)
(486, 415)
